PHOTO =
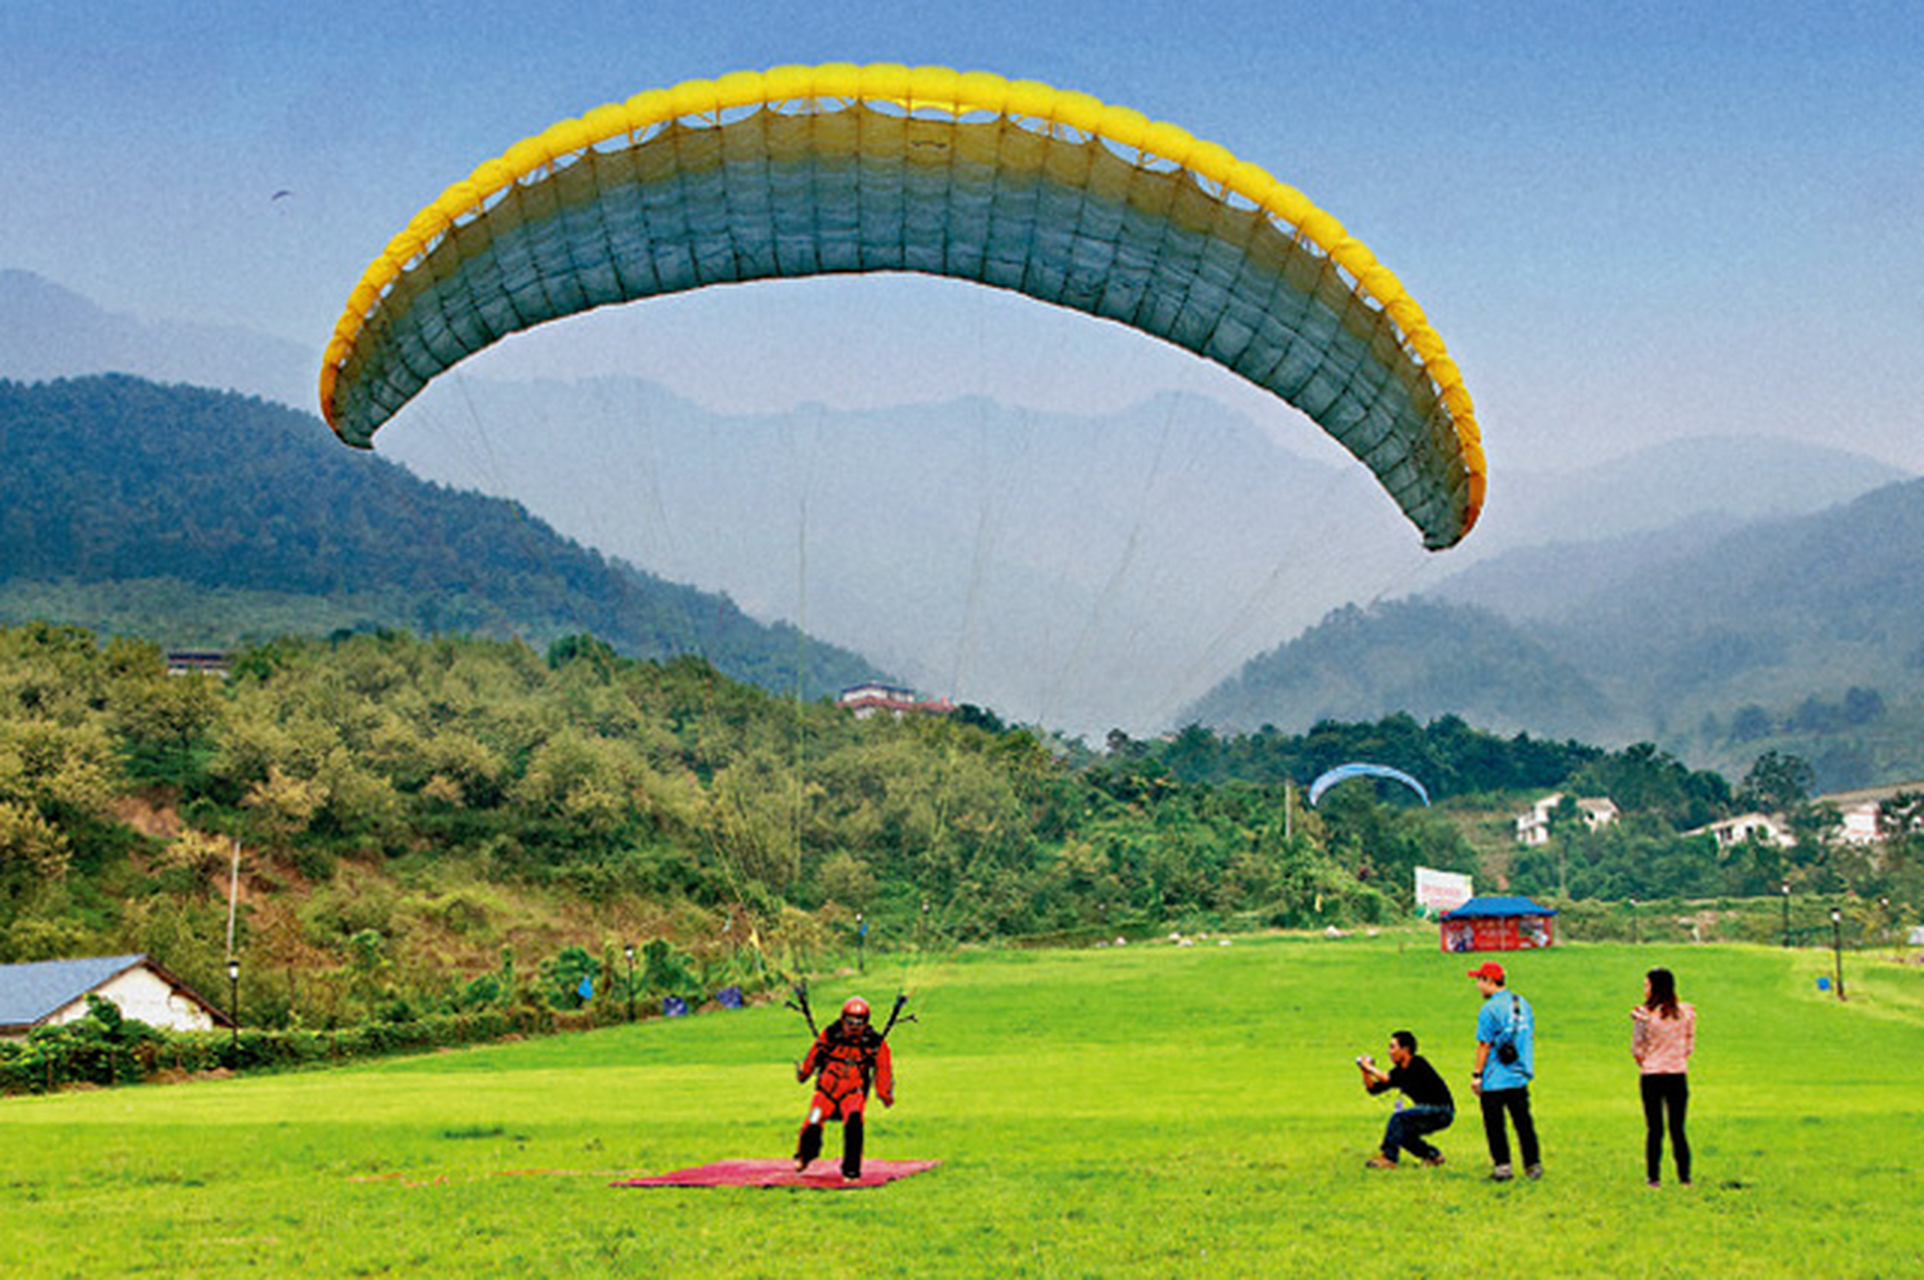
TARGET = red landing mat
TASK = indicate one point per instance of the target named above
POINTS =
(823, 1175)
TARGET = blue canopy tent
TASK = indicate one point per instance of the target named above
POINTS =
(1498, 923)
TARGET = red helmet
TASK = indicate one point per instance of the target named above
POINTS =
(855, 1007)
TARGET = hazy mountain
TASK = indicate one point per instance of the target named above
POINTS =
(1806, 632)
(1544, 582)
(1787, 605)
(47, 331)
(1417, 656)
(1703, 482)
(212, 516)
(1089, 572)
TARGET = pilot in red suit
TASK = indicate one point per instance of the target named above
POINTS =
(847, 1059)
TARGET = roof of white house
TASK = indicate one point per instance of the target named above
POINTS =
(1588, 804)
(1742, 826)
(31, 993)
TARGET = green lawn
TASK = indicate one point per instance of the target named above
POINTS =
(1146, 1111)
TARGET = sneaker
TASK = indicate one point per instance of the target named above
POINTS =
(1435, 1161)
(1379, 1162)
(1502, 1173)
(851, 1177)
(801, 1165)
(1533, 1172)
(1653, 1184)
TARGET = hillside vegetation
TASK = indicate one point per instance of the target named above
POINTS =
(449, 825)
(205, 518)
(412, 815)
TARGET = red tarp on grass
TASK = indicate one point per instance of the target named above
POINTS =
(823, 1175)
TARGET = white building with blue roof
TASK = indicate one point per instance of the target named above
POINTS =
(50, 992)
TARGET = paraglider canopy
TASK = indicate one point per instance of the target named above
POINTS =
(804, 171)
(1344, 772)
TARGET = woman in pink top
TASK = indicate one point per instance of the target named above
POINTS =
(1663, 1031)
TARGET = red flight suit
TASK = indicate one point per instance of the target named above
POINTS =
(846, 1065)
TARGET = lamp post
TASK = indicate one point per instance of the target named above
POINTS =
(233, 1000)
(1787, 913)
(629, 951)
(1837, 947)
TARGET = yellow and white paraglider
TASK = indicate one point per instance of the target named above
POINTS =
(803, 171)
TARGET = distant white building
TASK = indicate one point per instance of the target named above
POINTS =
(196, 662)
(1533, 826)
(53, 992)
(1745, 827)
(1858, 809)
(865, 700)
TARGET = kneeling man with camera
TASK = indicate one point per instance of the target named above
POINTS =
(1431, 1108)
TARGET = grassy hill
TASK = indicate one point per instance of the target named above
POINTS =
(205, 518)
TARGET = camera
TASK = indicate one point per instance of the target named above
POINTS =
(1506, 1053)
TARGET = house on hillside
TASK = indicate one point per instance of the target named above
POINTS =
(874, 698)
(1856, 812)
(196, 662)
(1533, 826)
(1745, 827)
(1858, 809)
(52, 992)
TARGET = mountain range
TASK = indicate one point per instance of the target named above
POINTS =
(1803, 634)
(1118, 570)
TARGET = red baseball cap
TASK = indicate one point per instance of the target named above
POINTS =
(1489, 969)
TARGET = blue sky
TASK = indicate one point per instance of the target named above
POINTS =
(1630, 222)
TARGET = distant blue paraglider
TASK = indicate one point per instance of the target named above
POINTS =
(1344, 772)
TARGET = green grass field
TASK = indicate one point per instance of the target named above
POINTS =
(1155, 1111)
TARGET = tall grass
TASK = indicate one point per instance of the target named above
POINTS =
(1143, 1111)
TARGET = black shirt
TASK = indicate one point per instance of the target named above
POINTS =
(1419, 1082)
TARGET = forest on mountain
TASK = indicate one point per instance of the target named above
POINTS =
(1798, 635)
(452, 824)
(204, 518)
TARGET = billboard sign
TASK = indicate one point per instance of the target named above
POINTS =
(1440, 891)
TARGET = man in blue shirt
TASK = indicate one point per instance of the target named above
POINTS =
(1505, 1065)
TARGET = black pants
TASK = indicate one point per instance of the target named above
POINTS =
(1517, 1103)
(1407, 1127)
(1661, 1094)
(810, 1146)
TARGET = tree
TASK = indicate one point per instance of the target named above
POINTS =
(283, 806)
(1645, 779)
(562, 977)
(845, 878)
(1777, 783)
(33, 856)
